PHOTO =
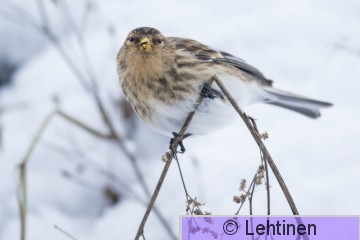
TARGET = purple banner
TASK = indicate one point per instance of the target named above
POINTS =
(271, 228)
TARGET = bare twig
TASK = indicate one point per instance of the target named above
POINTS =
(181, 176)
(153, 198)
(264, 150)
(110, 175)
(92, 88)
(251, 196)
(264, 162)
(64, 232)
(22, 188)
(193, 205)
(261, 145)
(83, 126)
(169, 156)
(250, 123)
(247, 193)
(22, 191)
(87, 79)
(267, 183)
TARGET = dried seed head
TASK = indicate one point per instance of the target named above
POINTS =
(237, 199)
(242, 184)
(197, 212)
(243, 198)
(264, 136)
(261, 169)
(166, 157)
(258, 180)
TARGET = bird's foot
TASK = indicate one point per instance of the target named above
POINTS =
(208, 92)
(182, 148)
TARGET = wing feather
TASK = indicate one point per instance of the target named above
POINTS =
(206, 54)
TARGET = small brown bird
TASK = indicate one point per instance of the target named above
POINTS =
(162, 78)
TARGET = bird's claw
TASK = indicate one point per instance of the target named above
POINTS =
(208, 92)
(182, 147)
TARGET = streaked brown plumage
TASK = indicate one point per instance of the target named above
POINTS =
(162, 77)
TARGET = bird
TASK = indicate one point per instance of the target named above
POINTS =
(162, 77)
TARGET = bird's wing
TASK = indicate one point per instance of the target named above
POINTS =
(244, 66)
(203, 53)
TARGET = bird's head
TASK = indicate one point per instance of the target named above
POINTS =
(145, 40)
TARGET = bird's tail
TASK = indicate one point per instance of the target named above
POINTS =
(306, 106)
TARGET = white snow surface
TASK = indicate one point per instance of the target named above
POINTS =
(307, 47)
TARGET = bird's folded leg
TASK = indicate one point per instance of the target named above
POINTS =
(182, 148)
(208, 92)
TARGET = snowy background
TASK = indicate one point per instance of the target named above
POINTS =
(87, 186)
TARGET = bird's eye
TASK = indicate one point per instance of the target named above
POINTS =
(131, 39)
(159, 41)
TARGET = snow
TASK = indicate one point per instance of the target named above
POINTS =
(308, 47)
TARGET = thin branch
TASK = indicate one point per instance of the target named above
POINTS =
(169, 156)
(264, 150)
(83, 126)
(64, 232)
(43, 15)
(267, 181)
(22, 191)
(182, 177)
(101, 108)
(68, 20)
(347, 49)
(251, 196)
(17, 15)
(261, 145)
(98, 168)
(110, 175)
(22, 188)
(246, 194)
(153, 198)
(93, 90)
(193, 202)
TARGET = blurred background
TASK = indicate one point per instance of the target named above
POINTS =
(91, 164)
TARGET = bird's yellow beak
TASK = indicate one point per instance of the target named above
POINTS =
(145, 45)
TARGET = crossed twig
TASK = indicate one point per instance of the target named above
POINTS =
(251, 125)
